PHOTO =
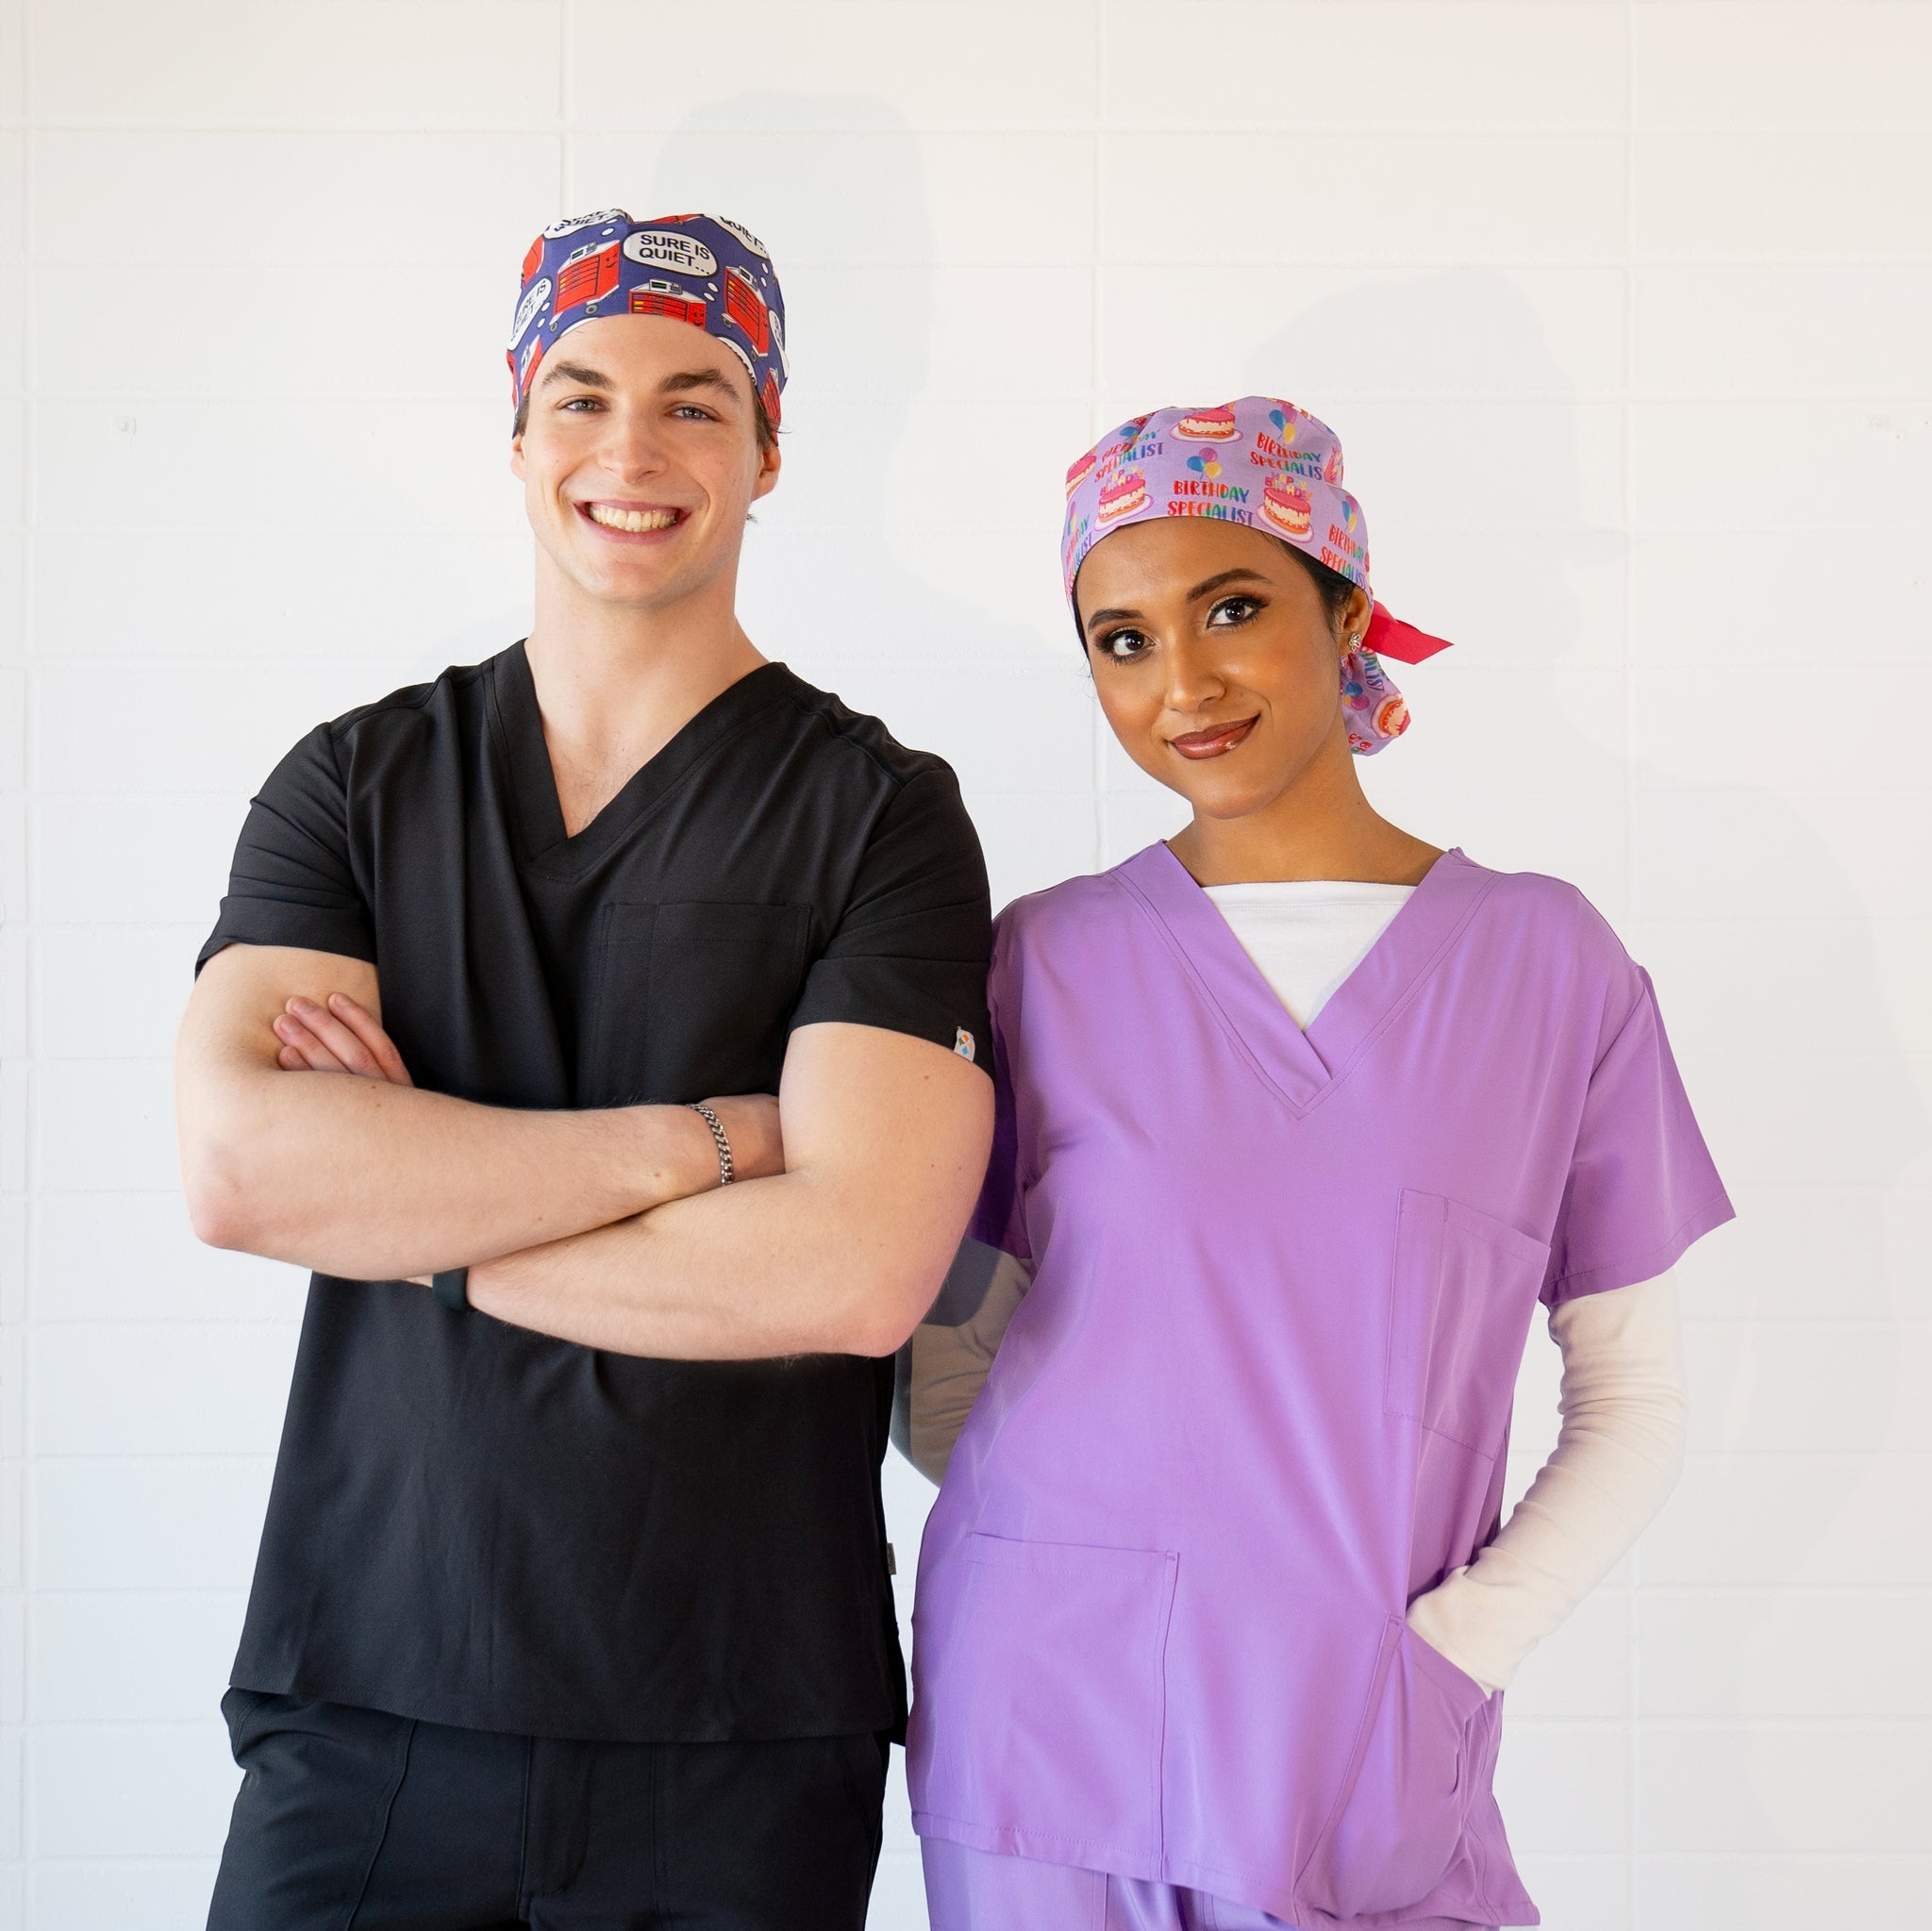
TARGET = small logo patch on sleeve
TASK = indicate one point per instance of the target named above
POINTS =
(963, 1043)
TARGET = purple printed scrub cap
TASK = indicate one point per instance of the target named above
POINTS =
(701, 269)
(1265, 463)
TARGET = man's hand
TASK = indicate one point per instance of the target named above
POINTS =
(339, 1037)
(840, 1253)
(342, 1036)
(371, 1178)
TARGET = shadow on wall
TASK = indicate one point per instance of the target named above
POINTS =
(828, 584)
(1480, 505)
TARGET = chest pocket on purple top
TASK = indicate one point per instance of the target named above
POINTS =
(1461, 1293)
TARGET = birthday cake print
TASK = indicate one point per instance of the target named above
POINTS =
(1391, 717)
(1208, 425)
(1285, 505)
(1126, 494)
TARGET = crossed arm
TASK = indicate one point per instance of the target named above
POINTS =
(605, 1227)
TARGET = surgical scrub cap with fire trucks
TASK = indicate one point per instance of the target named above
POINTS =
(695, 268)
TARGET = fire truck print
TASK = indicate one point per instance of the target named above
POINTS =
(586, 276)
(665, 298)
(744, 306)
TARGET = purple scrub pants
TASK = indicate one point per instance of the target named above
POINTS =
(982, 1891)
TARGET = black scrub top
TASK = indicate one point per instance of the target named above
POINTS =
(478, 1525)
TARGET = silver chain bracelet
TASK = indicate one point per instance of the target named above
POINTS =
(725, 1174)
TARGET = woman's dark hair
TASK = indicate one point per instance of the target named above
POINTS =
(1335, 588)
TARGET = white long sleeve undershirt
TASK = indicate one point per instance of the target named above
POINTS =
(1617, 1457)
(1622, 1401)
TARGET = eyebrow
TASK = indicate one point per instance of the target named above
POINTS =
(574, 371)
(1211, 584)
(698, 379)
(1205, 588)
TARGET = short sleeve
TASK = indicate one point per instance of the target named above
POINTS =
(911, 948)
(1641, 1186)
(291, 882)
(999, 1219)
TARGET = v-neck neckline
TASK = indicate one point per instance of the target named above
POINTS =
(1301, 1067)
(518, 724)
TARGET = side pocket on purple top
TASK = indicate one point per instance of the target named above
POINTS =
(1399, 1818)
(1042, 1721)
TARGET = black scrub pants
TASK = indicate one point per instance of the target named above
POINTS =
(351, 1817)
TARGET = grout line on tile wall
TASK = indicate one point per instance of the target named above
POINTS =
(1634, 1621)
(1096, 368)
(28, 1502)
(565, 102)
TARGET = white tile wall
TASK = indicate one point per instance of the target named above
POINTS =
(380, 207)
(1621, 307)
(1762, 63)
(451, 64)
(1020, 65)
(138, 1655)
(1728, 599)
(148, 1522)
(1688, 1893)
(1448, 197)
(1470, 67)
(139, 1790)
(1754, 192)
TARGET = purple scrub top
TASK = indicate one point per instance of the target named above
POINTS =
(1258, 1396)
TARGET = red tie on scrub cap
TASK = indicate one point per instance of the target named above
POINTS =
(1266, 464)
(1388, 636)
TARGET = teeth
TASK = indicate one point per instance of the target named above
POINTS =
(613, 519)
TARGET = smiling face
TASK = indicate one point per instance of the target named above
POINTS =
(639, 458)
(1215, 660)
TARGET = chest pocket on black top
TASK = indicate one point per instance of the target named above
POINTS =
(691, 999)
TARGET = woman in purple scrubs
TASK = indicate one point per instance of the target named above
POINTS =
(1300, 1118)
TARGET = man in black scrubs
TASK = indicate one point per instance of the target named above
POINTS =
(572, 1607)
